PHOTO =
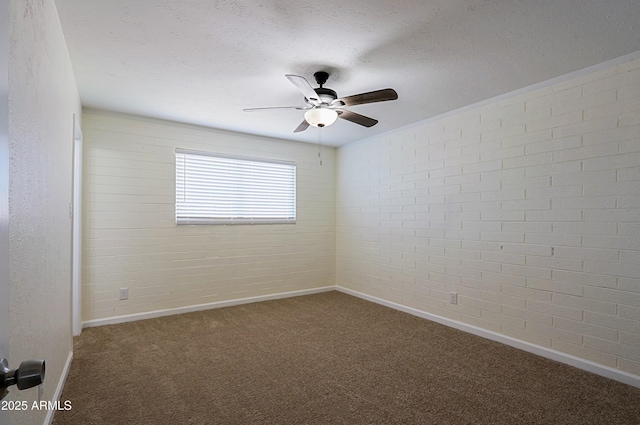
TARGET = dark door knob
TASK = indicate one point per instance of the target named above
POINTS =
(28, 375)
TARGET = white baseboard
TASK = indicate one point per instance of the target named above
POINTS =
(56, 396)
(200, 307)
(608, 372)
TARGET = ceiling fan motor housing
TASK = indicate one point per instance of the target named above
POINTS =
(326, 95)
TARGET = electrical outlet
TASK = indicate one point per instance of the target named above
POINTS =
(124, 293)
(453, 297)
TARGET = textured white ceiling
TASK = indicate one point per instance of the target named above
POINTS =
(203, 61)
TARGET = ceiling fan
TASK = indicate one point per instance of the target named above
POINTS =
(323, 106)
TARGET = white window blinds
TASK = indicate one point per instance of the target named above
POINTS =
(224, 189)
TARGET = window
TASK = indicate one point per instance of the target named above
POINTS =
(224, 189)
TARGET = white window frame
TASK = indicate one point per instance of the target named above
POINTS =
(232, 189)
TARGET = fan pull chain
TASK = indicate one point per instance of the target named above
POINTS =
(320, 144)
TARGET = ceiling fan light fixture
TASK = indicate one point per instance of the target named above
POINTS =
(321, 117)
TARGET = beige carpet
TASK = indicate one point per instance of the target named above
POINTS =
(323, 359)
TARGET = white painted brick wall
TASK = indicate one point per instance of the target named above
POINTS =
(530, 210)
(131, 239)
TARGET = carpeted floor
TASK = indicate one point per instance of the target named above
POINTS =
(323, 359)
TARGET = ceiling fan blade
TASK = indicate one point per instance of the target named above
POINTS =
(305, 88)
(302, 127)
(299, 108)
(369, 97)
(356, 118)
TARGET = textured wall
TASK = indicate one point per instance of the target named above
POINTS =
(527, 207)
(131, 239)
(4, 186)
(42, 100)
